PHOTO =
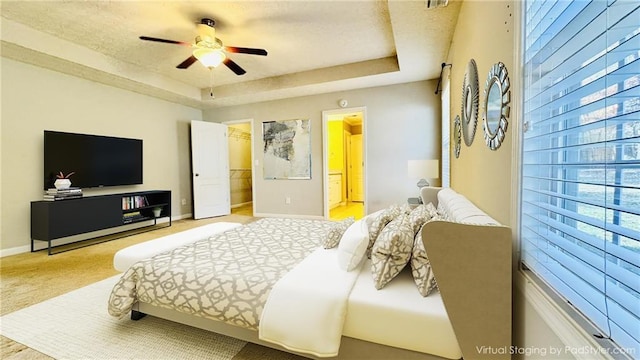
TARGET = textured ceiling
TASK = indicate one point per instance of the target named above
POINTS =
(313, 46)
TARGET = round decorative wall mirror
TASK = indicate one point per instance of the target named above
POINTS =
(496, 108)
(470, 99)
(457, 136)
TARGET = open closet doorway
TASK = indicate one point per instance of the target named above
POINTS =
(240, 170)
(344, 163)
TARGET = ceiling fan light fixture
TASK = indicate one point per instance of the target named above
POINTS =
(209, 57)
(209, 50)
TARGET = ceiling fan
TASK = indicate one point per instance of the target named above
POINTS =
(209, 50)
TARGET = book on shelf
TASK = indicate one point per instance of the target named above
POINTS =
(71, 190)
(132, 216)
(134, 202)
(49, 197)
(53, 194)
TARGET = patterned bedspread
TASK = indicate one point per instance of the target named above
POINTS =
(227, 277)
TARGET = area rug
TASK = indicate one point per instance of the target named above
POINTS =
(76, 325)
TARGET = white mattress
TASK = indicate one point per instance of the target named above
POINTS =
(397, 315)
(128, 256)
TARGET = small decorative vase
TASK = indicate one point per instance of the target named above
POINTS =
(156, 212)
(62, 184)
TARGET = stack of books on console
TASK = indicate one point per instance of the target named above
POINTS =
(54, 194)
(131, 217)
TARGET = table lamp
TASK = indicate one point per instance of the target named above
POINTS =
(422, 170)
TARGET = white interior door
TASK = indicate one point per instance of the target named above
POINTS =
(357, 169)
(210, 169)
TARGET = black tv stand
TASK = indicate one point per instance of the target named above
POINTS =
(52, 220)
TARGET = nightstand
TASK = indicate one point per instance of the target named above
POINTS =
(414, 202)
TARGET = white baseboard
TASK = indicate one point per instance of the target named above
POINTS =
(290, 216)
(15, 251)
(182, 217)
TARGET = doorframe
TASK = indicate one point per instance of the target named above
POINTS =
(253, 166)
(347, 155)
(325, 153)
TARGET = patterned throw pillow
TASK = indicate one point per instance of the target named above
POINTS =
(420, 215)
(405, 209)
(421, 267)
(391, 251)
(335, 233)
(380, 222)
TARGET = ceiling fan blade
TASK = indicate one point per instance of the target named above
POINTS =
(234, 67)
(165, 41)
(244, 50)
(185, 64)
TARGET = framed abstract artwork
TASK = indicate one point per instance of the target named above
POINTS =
(287, 149)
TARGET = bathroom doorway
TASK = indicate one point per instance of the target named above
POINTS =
(344, 173)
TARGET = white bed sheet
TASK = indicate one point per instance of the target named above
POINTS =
(128, 256)
(306, 309)
(397, 315)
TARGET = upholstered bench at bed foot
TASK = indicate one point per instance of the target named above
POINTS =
(126, 257)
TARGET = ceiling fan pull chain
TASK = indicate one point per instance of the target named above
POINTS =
(211, 88)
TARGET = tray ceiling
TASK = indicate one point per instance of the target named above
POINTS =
(314, 46)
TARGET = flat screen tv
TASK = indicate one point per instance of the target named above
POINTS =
(95, 160)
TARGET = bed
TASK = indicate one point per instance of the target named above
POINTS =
(272, 282)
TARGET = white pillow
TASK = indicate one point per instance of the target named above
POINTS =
(353, 245)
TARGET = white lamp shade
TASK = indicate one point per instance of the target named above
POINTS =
(423, 169)
(209, 57)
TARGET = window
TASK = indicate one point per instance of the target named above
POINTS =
(580, 211)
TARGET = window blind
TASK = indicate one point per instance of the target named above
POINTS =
(580, 201)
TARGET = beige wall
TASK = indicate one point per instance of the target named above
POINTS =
(402, 123)
(485, 33)
(35, 99)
